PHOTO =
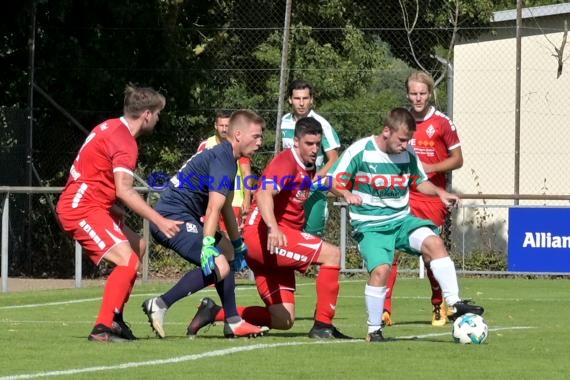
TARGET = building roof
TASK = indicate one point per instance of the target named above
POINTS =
(545, 10)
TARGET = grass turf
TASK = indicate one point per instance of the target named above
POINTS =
(43, 334)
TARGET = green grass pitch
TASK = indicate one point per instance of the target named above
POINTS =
(43, 335)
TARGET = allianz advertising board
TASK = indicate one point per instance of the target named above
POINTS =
(539, 240)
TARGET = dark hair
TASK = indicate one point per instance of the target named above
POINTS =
(299, 84)
(139, 99)
(398, 117)
(308, 126)
(223, 114)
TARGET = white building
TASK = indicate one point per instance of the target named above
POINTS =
(484, 99)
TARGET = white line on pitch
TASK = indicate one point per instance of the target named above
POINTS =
(179, 359)
(210, 354)
(205, 290)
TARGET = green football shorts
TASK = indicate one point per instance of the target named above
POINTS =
(378, 247)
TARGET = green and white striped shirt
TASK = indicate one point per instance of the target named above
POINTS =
(382, 181)
(330, 138)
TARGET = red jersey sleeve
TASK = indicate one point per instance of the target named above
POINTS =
(202, 146)
(449, 135)
(244, 161)
(123, 153)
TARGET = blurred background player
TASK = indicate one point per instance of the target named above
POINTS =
(204, 187)
(380, 214)
(242, 192)
(278, 247)
(101, 174)
(301, 101)
(437, 145)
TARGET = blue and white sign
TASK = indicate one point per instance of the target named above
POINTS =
(539, 239)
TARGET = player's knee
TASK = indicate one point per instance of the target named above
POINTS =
(330, 255)
(282, 319)
(433, 248)
(379, 275)
(222, 267)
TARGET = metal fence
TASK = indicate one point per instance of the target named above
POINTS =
(476, 237)
(358, 71)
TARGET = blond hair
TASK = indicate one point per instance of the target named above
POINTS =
(421, 77)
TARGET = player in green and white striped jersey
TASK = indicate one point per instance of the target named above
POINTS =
(374, 176)
(301, 100)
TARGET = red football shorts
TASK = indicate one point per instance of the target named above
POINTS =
(434, 211)
(275, 271)
(97, 232)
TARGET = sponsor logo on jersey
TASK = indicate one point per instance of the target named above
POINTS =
(190, 227)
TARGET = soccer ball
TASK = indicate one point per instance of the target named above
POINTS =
(470, 329)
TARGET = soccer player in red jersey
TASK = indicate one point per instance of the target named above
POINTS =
(101, 174)
(277, 246)
(437, 145)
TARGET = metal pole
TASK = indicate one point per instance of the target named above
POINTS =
(30, 139)
(31, 58)
(449, 90)
(342, 242)
(518, 102)
(4, 259)
(78, 264)
(283, 74)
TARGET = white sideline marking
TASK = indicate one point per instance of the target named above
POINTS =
(179, 359)
(135, 295)
(226, 351)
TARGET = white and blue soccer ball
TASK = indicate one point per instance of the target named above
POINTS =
(470, 329)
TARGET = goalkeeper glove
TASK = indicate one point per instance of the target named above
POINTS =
(240, 252)
(209, 253)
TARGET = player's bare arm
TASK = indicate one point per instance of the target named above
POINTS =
(447, 198)
(454, 161)
(216, 202)
(133, 200)
(275, 237)
(229, 218)
(340, 190)
(248, 184)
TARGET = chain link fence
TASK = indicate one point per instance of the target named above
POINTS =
(358, 70)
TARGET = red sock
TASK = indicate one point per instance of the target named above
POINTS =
(390, 286)
(327, 293)
(436, 296)
(256, 315)
(128, 295)
(117, 290)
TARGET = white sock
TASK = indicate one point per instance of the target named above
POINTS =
(375, 296)
(444, 272)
